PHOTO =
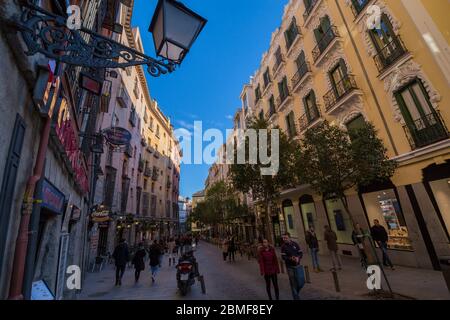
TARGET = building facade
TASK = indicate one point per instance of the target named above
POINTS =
(333, 60)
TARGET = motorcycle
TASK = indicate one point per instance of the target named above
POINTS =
(187, 271)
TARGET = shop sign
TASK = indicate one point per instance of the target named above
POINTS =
(117, 136)
(100, 216)
(40, 291)
(52, 198)
(68, 138)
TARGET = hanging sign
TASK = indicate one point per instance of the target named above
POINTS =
(100, 216)
(117, 136)
(52, 198)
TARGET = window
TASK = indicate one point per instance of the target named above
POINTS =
(324, 34)
(271, 105)
(245, 103)
(261, 115)
(290, 122)
(358, 123)
(388, 45)
(283, 89)
(151, 124)
(157, 131)
(278, 60)
(422, 121)
(258, 93)
(266, 78)
(291, 33)
(311, 111)
(337, 77)
(359, 5)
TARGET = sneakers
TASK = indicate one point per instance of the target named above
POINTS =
(153, 279)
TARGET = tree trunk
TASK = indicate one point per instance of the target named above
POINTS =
(371, 259)
(269, 231)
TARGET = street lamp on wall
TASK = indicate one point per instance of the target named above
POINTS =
(175, 28)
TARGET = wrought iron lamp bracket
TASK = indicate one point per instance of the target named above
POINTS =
(46, 33)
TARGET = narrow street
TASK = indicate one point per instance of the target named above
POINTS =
(224, 281)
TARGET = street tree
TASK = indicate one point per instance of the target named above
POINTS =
(248, 177)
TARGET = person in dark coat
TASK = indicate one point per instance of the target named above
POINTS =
(121, 256)
(138, 261)
(358, 239)
(291, 253)
(268, 265)
(155, 256)
(231, 249)
(380, 236)
(313, 244)
(331, 240)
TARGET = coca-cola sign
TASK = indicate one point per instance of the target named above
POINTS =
(117, 136)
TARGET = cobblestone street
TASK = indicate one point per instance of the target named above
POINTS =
(224, 281)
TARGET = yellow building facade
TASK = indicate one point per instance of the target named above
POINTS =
(352, 61)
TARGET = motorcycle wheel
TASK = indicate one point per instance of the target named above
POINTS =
(184, 289)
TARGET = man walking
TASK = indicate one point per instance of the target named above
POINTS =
(155, 256)
(331, 239)
(313, 244)
(121, 256)
(292, 254)
(380, 236)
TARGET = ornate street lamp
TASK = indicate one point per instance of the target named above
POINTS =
(175, 28)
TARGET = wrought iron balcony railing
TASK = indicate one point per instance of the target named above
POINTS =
(300, 74)
(387, 56)
(270, 112)
(323, 43)
(309, 9)
(359, 6)
(307, 119)
(148, 172)
(340, 90)
(155, 174)
(282, 98)
(141, 165)
(427, 130)
(279, 59)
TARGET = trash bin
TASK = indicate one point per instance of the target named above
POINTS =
(445, 266)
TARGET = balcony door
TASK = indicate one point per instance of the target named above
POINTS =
(310, 107)
(337, 76)
(385, 41)
(421, 119)
(321, 33)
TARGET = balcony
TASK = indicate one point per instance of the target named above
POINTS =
(324, 44)
(123, 98)
(292, 40)
(342, 89)
(133, 118)
(148, 172)
(358, 8)
(300, 76)
(283, 99)
(155, 174)
(267, 85)
(141, 165)
(307, 15)
(390, 54)
(129, 150)
(169, 184)
(271, 112)
(279, 61)
(306, 121)
(427, 130)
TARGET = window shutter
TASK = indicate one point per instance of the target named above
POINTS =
(343, 67)
(9, 180)
(325, 24)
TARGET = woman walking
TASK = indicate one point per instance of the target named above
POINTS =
(138, 261)
(268, 264)
(155, 256)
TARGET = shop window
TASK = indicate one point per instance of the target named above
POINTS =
(384, 206)
(339, 221)
(441, 192)
(288, 211)
(309, 215)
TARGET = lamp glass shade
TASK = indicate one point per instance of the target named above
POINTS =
(174, 28)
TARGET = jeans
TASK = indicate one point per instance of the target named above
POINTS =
(154, 270)
(335, 259)
(136, 275)
(120, 270)
(274, 279)
(296, 280)
(315, 257)
(384, 249)
(231, 255)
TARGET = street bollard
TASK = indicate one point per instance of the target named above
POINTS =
(336, 281)
(307, 277)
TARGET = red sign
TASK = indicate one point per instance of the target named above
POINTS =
(69, 139)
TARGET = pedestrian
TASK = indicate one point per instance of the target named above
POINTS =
(225, 249)
(162, 248)
(138, 261)
(121, 256)
(196, 240)
(331, 240)
(358, 238)
(171, 248)
(231, 249)
(292, 255)
(380, 236)
(313, 244)
(268, 265)
(177, 245)
(155, 256)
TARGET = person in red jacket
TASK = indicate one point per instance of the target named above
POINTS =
(268, 264)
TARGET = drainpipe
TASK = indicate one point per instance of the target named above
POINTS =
(15, 291)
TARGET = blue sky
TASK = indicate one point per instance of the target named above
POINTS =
(207, 85)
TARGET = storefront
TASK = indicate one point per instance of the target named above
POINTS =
(339, 220)
(384, 206)
(289, 219)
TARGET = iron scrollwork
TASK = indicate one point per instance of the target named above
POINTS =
(46, 33)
